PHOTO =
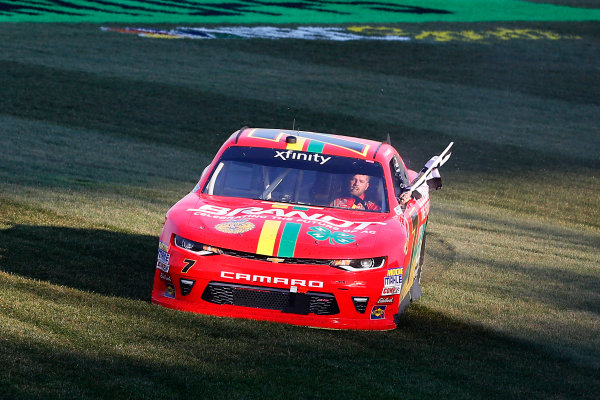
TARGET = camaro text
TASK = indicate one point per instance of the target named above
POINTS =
(270, 279)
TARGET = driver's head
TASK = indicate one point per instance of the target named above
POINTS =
(359, 184)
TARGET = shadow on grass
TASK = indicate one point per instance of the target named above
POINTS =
(104, 262)
(430, 356)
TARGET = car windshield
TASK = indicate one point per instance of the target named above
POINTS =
(297, 177)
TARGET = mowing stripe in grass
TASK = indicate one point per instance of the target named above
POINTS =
(554, 126)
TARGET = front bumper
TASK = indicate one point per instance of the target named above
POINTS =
(308, 295)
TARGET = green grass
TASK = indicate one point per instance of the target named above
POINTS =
(103, 132)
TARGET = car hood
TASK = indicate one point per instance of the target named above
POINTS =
(284, 230)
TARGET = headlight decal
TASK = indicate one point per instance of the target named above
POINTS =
(195, 247)
(362, 264)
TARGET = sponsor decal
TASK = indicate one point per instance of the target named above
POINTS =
(163, 256)
(287, 155)
(470, 35)
(395, 271)
(235, 226)
(162, 266)
(321, 233)
(255, 32)
(163, 246)
(378, 312)
(209, 210)
(386, 300)
(356, 32)
(393, 277)
(390, 291)
(165, 277)
(170, 291)
(393, 281)
(237, 276)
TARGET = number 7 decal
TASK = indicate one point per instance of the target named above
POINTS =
(188, 264)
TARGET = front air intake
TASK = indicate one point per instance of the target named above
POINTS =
(186, 285)
(360, 304)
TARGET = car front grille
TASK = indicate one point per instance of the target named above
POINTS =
(271, 299)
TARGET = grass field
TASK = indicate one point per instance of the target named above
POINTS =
(102, 132)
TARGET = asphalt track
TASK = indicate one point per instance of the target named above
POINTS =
(297, 12)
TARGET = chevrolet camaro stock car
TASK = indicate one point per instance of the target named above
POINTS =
(299, 227)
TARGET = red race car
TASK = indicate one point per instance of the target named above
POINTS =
(299, 227)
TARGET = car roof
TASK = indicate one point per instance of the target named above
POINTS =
(307, 141)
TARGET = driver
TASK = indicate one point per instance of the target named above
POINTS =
(356, 199)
